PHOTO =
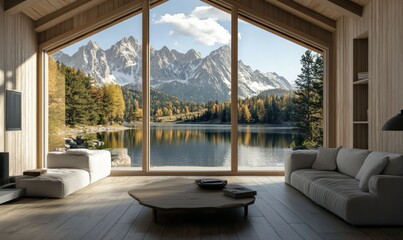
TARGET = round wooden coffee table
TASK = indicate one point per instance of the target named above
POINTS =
(184, 194)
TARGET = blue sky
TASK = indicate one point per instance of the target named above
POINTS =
(197, 25)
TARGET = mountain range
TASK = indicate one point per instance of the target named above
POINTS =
(185, 75)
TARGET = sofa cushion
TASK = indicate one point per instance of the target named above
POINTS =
(301, 179)
(326, 159)
(349, 161)
(395, 164)
(342, 197)
(56, 183)
(372, 166)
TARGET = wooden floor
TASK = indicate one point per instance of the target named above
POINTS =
(104, 210)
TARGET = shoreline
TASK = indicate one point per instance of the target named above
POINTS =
(178, 124)
(92, 129)
(116, 128)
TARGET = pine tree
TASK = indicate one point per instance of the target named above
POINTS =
(261, 111)
(308, 102)
(79, 102)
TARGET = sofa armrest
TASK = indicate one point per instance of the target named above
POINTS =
(298, 160)
(386, 187)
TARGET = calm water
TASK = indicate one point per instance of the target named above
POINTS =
(204, 145)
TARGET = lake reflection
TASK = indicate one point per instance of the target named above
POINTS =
(204, 145)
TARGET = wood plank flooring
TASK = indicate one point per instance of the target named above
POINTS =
(104, 210)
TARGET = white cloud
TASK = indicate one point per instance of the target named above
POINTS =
(176, 43)
(171, 33)
(204, 12)
(205, 30)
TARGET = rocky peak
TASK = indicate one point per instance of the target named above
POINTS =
(192, 55)
(222, 55)
(223, 50)
(92, 45)
(165, 55)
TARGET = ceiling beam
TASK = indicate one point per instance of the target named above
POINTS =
(345, 7)
(65, 13)
(306, 13)
(16, 6)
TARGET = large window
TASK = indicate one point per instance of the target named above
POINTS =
(190, 84)
(268, 66)
(98, 93)
(95, 94)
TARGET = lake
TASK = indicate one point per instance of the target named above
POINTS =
(204, 145)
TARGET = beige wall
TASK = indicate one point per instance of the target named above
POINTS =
(383, 20)
(18, 47)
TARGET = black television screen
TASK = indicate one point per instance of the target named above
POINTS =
(13, 110)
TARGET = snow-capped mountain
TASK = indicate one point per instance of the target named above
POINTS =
(185, 75)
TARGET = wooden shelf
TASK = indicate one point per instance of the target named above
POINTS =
(360, 122)
(363, 81)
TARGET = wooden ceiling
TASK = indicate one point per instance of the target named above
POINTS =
(48, 13)
(323, 13)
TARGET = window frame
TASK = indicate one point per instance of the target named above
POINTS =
(144, 7)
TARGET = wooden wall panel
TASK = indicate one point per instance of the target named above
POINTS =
(383, 21)
(386, 61)
(344, 84)
(2, 72)
(19, 46)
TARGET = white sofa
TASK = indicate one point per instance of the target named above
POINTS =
(67, 173)
(339, 191)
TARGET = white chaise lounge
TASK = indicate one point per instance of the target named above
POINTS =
(67, 173)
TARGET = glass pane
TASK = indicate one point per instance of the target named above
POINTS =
(190, 67)
(95, 94)
(268, 67)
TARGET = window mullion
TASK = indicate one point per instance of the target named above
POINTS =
(146, 86)
(234, 88)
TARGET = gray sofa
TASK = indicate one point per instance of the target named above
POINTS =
(379, 202)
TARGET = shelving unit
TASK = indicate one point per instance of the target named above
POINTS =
(360, 93)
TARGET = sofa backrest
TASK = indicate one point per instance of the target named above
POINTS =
(64, 160)
(96, 162)
(349, 161)
(395, 164)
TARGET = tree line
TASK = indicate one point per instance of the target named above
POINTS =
(161, 104)
(270, 109)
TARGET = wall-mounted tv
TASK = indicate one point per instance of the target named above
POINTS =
(13, 110)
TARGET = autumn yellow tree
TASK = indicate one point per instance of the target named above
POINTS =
(114, 103)
(56, 105)
(246, 116)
